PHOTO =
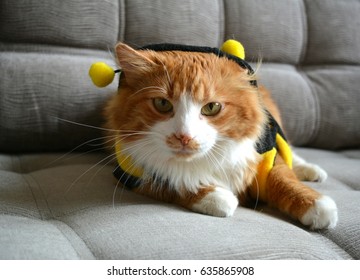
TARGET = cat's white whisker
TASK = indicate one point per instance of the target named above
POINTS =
(86, 125)
(111, 158)
(118, 185)
(216, 162)
(131, 148)
(74, 155)
(86, 172)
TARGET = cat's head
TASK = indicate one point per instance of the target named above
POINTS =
(177, 106)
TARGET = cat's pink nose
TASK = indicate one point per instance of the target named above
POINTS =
(184, 139)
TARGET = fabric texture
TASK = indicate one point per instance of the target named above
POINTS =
(70, 23)
(59, 200)
(82, 215)
(301, 61)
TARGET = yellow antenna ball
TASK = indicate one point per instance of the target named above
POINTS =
(101, 74)
(234, 48)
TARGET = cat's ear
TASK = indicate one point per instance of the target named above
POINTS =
(133, 62)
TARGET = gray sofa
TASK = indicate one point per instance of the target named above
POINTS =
(57, 193)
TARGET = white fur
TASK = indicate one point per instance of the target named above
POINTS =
(212, 164)
(219, 203)
(307, 171)
(322, 215)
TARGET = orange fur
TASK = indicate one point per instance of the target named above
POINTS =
(270, 104)
(286, 193)
(185, 199)
(199, 79)
(147, 75)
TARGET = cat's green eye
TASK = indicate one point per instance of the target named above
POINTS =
(211, 109)
(162, 105)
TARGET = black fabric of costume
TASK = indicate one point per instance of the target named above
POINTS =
(267, 141)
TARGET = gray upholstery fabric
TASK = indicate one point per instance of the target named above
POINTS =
(44, 93)
(193, 22)
(340, 36)
(82, 215)
(273, 30)
(67, 207)
(70, 23)
(302, 60)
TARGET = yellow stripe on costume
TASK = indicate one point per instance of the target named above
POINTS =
(267, 163)
(263, 171)
(126, 162)
(284, 150)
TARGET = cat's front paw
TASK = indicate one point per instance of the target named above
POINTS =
(310, 172)
(323, 214)
(219, 203)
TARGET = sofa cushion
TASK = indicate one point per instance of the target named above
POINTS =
(41, 95)
(191, 22)
(333, 32)
(271, 30)
(68, 207)
(318, 104)
(46, 48)
(71, 23)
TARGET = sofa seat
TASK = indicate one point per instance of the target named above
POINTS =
(56, 206)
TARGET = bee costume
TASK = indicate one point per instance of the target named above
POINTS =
(271, 143)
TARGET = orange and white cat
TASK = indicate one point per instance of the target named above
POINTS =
(187, 125)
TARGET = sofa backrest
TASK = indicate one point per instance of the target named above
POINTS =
(310, 53)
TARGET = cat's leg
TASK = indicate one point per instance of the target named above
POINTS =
(285, 192)
(209, 200)
(306, 171)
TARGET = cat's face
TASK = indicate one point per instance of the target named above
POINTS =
(181, 106)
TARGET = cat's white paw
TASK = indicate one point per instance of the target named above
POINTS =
(220, 203)
(322, 215)
(310, 172)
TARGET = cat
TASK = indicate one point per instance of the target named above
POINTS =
(187, 125)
